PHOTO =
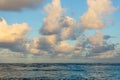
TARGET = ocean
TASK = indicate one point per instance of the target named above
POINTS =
(59, 71)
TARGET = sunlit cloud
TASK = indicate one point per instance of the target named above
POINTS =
(97, 10)
(97, 39)
(52, 22)
(60, 35)
(64, 47)
(13, 36)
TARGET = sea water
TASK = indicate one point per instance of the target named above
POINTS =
(59, 71)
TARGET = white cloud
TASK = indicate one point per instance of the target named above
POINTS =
(64, 47)
(52, 22)
(97, 39)
(57, 31)
(13, 36)
(12, 33)
(97, 9)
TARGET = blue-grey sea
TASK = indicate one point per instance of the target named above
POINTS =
(59, 71)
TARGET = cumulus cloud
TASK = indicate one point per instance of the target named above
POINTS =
(106, 37)
(64, 47)
(69, 22)
(1, 19)
(57, 28)
(6, 53)
(46, 43)
(41, 45)
(61, 35)
(52, 22)
(13, 36)
(108, 54)
(97, 39)
(97, 9)
(71, 30)
(99, 47)
(17, 46)
(67, 33)
(104, 48)
(67, 28)
(78, 48)
(17, 5)
(12, 33)
(94, 18)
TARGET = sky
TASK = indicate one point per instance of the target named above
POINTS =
(40, 31)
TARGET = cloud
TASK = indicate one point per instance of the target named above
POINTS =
(97, 39)
(1, 19)
(12, 33)
(51, 39)
(67, 28)
(13, 36)
(41, 45)
(70, 29)
(67, 33)
(56, 29)
(97, 45)
(61, 36)
(104, 48)
(6, 53)
(78, 48)
(64, 47)
(52, 23)
(69, 22)
(97, 9)
(108, 54)
(57, 23)
(18, 5)
(17, 46)
(48, 45)
(106, 37)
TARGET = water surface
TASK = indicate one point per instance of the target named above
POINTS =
(60, 71)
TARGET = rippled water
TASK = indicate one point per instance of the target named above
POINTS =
(66, 71)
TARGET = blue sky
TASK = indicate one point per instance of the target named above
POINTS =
(34, 17)
(74, 9)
